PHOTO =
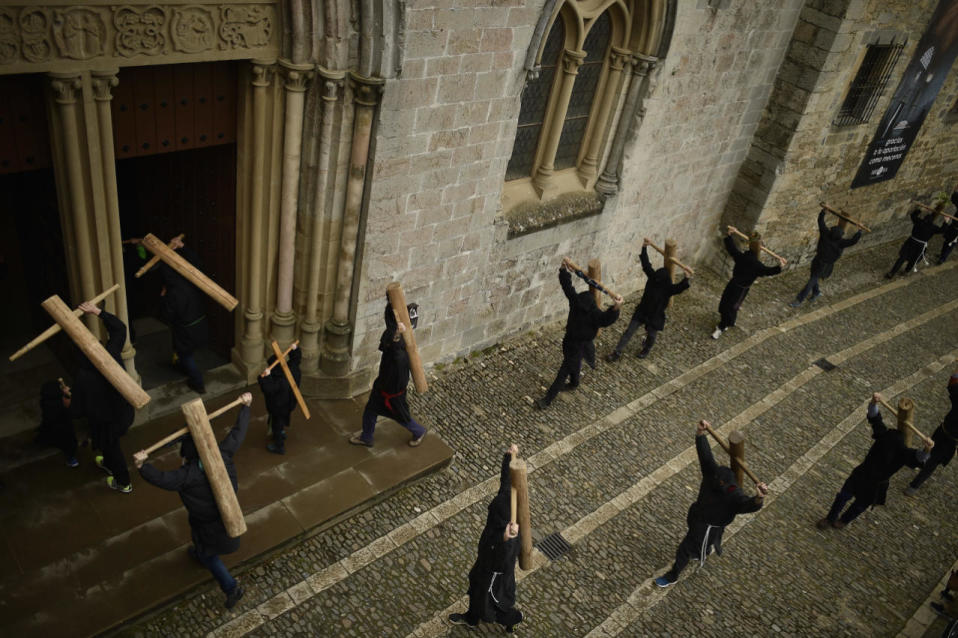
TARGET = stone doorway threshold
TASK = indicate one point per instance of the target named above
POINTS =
(77, 554)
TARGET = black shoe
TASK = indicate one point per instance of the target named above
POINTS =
(460, 619)
(511, 628)
(889, 275)
(569, 387)
(199, 388)
(541, 404)
(643, 353)
(612, 357)
(234, 596)
(275, 448)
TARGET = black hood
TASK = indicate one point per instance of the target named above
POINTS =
(661, 276)
(188, 448)
(586, 300)
(725, 479)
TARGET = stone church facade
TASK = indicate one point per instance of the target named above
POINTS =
(460, 147)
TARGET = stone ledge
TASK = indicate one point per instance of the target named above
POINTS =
(530, 217)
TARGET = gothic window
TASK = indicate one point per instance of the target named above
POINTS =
(868, 85)
(567, 108)
(535, 97)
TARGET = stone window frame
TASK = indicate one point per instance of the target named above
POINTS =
(577, 16)
(893, 42)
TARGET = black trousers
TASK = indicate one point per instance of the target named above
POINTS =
(572, 353)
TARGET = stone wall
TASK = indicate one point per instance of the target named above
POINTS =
(799, 158)
(447, 125)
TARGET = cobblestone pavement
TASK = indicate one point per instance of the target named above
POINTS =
(613, 469)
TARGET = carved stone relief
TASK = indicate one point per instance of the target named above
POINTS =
(245, 27)
(193, 30)
(79, 32)
(140, 31)
(34, 33)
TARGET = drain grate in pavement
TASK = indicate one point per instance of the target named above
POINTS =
(825, 364)
(554, 546)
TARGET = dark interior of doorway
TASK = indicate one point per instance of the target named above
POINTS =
(191, 192)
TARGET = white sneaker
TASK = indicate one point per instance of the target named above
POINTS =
(717, 333)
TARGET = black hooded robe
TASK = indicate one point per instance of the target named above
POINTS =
(280, 400)
(492, 579)
(945, 437)
(583, 323)
(56, 425)
(716, 506)
(747, 269)
(922, 230)
(388, 396)
(183, 307)
(189, 480)
(655, 298)
(831, 245)
(108, 414)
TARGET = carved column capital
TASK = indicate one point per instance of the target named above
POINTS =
(571, 61)
(103, 81)
(618, 58)
(262, 72)
(296, 76)
(332, 82)
(642, 64)
(65, 87)
(366, 91)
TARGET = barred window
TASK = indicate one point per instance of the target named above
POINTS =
(868, 85)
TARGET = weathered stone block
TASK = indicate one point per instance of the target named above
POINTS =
(459, 88)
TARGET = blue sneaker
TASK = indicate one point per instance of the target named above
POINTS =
(665, 581)
(72, 462)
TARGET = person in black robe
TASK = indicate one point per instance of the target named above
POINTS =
(108, 414)
(183, 308)
(56, 424)
(651, 309)
(922, 230)
(949, 233)
(719, 501)
(388, 396)
(945, 438)
(868, 483)
(492, 579)
(280, 400)
(747, 269)
(583, 323)
(831, 245)
(209, 535)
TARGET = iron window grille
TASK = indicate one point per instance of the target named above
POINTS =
(868, 85)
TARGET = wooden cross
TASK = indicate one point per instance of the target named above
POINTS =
(171, 258)
(281, 358)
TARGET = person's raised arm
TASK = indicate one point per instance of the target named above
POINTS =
(565, 280)
(822, 227)
(644, 258)
(237, 435)
(706, 460)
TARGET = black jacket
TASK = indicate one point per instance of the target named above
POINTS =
(585, 318)
(748, 267)
(183, 307)
(869, 481)
(831, 245)
(655, 298)
(94, 397)
(946, 434)
(190, 481)
(496, 558)
(718, 504)
(278, 393)
(388, 396)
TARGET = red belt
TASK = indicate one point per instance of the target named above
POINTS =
(386, 396)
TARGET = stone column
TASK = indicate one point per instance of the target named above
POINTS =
(296, 78)
(309, 328)
(642, 66)
(588, 168)
(103, 81)
(571, 60)
(251, 344)
(335, 358)
(66, 87)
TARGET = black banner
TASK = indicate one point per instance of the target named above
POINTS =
(919, 86)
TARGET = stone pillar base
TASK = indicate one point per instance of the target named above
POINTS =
(335, 359)
(322, 386)
(284, 328)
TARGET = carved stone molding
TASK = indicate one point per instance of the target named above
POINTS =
(103, 81)
(65, 87)
(618, 58)
(333, 81)
(37, 34)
